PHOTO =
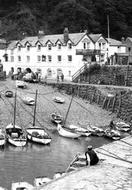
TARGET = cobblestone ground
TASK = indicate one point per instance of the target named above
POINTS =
(81, 112)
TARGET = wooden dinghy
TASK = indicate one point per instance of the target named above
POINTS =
(20, 84)
(59, 100)
(96, 131)
(28, 101)
(2, 138)
(56, 118)
(82, 131)
(112, 134)
(37, 134)
(9, 94)
(67, 132)
(122, 126)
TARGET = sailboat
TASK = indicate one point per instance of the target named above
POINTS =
(15, 134)
(66, 131)
(37, 134)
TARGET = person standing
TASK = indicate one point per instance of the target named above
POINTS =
(91, 156)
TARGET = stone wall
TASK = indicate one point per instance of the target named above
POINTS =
(114, 75)
(115, 100)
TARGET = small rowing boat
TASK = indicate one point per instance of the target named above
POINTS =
(20, 84)
(59, 100)
(122, 126)
(9, 93)
(28, 101)
(112, 134)
(56, 118)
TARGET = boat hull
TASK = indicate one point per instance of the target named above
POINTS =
(40, 138)
(16, 142)
(67, 133)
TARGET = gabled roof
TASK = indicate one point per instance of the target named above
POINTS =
(113, 42)
(95, 37)
(12, 45)
(129, 38)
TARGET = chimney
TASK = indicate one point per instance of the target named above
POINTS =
(66, 35)
(40, 34)
(123, 40)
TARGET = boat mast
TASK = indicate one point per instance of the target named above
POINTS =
(68, 109)
(108, 33)
(14, 121)
(35, 107)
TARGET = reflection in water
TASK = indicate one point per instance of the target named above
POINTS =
(25, 163)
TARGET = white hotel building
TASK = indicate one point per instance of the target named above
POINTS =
(55, 53)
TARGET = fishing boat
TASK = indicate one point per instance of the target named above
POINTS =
(59, 100)
(9, 94)
(56, 118)
(122, 126)
(95, 131)
(67, 132)
(2, 138)
(112, 134)
(28, 101)
(15, 134)
(37, 134)
(20, 84)
(38, 181)
(21, 186)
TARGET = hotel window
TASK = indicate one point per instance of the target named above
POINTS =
(69, 57)
(43, 58)
(12, 58)
(38, 58)
(19, 58)
(84, 45)
(103, 45)
(28, 48)
(28, 58)
(39, 47)
(59, 46)
(49, 47)
(69, 46)
(49, 58)
(69, 73)
(59, 58)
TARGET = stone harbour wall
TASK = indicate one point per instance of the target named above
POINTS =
(116, 100)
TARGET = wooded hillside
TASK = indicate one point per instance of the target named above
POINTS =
(18, 17)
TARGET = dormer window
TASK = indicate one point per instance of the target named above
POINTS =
(28, 47)
(49, 47)
(39, 47)
(69, 46)
(59, 46)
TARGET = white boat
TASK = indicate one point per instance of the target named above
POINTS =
(37, 134)
(21, 186)
(82, 131)
(21, 84)
(2, 138)
(28, 100)
(96, 131)
(122, 126)
(56, 118)
(38, 181)
(112, 134)
(67, 132)
(59, 100)
(15, 135)
(9, 93)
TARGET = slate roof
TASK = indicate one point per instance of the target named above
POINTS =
(95, 37)
(113, 42)
(12, 45)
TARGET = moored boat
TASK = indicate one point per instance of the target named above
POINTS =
(67, 132)
(112, 134)
(59, 100)
(21, 186)
(81, 130)
(2, 138)
(28, 100)
(96, 131)
(15, 135)
(9, 93)
(56, 118)
(122, 126)
(37, 134)
(38, 181)
(20, 84)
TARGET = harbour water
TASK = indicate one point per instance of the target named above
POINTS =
(24, 164)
